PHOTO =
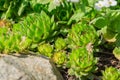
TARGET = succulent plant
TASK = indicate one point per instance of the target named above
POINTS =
(3, 32)
(81, 63)
(81, 34)
(59, 57)
(9, 43)
(12, 42)
(46, 49)
(32, 30)
(35, 28)
(60, 44)
(111, 73)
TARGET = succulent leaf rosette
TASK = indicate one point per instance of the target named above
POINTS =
(81, 34)
(59, 57)
(60, 44)
(81, 63)
(45, 49)
(111, 73)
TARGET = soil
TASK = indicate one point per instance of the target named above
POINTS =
(107, 60)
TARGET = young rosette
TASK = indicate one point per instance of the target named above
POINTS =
(81, 63)
(60, 44)
(45, 49)
(111, 73)
(59, 58)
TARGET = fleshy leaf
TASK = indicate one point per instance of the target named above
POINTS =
(116, 52)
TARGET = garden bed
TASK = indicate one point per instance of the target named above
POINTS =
(82, 37)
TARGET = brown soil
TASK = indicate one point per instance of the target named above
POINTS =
(107, 60)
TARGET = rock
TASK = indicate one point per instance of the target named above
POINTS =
(26, 67)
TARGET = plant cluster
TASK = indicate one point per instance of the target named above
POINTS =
(68, 32)
(108, 74)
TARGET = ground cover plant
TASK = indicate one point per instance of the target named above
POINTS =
(71, 33)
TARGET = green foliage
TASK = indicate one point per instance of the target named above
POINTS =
(35, 28)
(66, 32)
(76, 17)
(117, 43)
(81, 63)
(41, 1)
(114, 19)
(11, 9)
(99, 22)
(45, 49)
(13, 42)
(116, 52)
(60, 44)
(111, 74)
(108, 35)
(80, 39)
(110, 29)
(32, 29)
(81, 34)
(59, 58)
(109, 24)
